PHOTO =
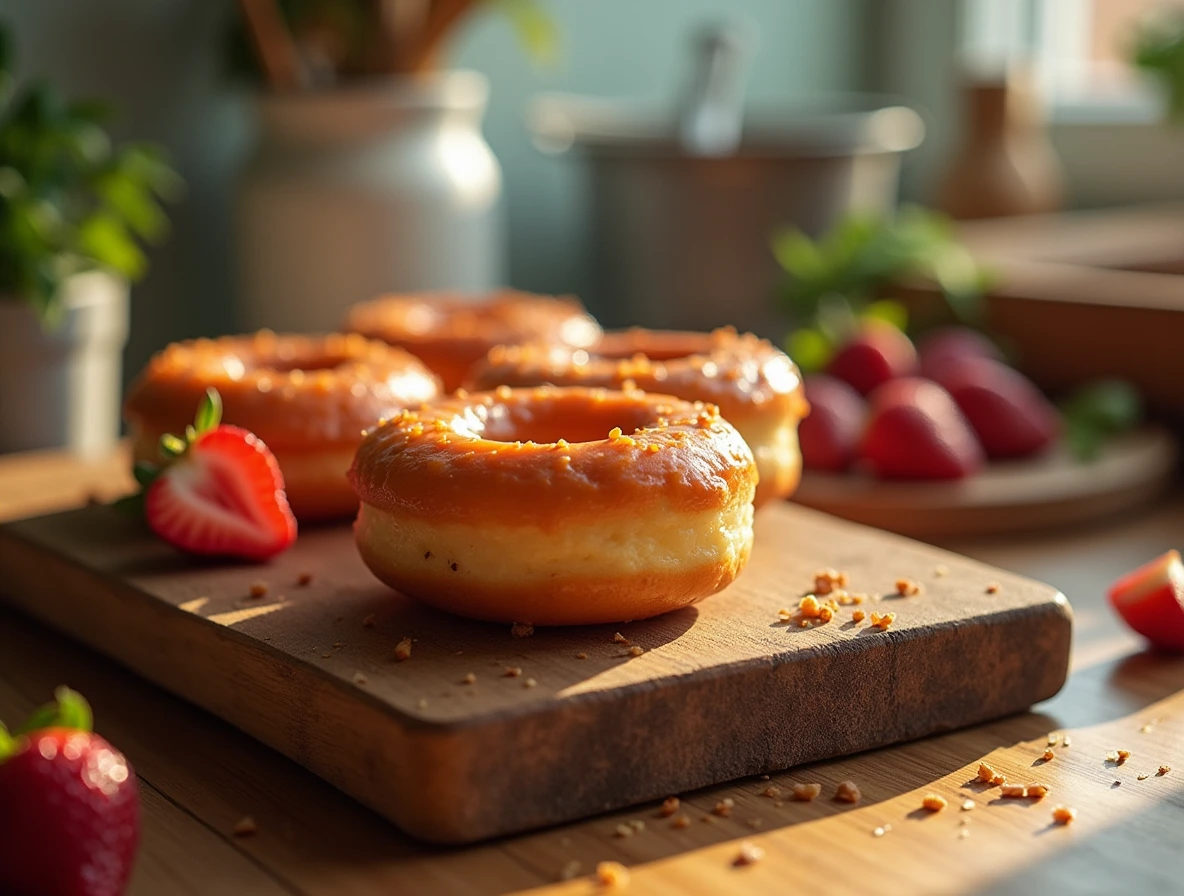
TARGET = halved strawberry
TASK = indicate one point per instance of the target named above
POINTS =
(220, 491)
(1151, 601)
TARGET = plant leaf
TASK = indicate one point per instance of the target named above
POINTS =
(810, 349)
(209, 412)
(535, 28)
(8, 744)
(69, 710)
(889, 311)
(104, 238)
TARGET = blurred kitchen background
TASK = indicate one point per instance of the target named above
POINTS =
(1083, 129)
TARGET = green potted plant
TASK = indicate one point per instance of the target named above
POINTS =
(74, 212)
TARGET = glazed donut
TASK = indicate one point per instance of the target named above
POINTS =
(451, 332)
(307, 397)
(555, 506)
(757, 388)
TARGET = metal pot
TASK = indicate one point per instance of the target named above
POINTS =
(682, 240)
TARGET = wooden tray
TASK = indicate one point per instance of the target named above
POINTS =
(722, 690)
(1043, 493)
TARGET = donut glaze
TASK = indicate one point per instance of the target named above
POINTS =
(451, 332)
(555, 506)
(757, 388)
(308, 398)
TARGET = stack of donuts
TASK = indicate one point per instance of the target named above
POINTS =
(512, 462)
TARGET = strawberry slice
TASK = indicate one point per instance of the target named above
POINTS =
(220, 491)
(1151, 601)
(71, 812)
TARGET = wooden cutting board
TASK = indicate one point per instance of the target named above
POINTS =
(722, 690)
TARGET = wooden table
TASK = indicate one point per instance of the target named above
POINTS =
(199, 777)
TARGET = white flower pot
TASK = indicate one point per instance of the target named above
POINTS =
(60, 387)
(352, 192)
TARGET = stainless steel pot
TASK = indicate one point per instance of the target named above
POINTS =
(683, 240)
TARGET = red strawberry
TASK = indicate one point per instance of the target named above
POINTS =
(1010, 415)
(1151, 601)
(917, 432)
(942, 346)
(69, 800)
(220, 493)
(880, 352)
(830, 434)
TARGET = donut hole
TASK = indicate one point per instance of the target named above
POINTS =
(548, 422)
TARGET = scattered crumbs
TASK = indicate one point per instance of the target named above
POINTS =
(847, 792)
(882, 622)
(941, 570)
(581, 655)
(246, 827)
(570, 871)
(453, 566)
(1142, 777)
(680, 822)
(710, 819)
(1116, 783)
(403, 650)
(968, 805)
(809, 607)
(724, 807)
(748, 854)
(1066, 741)
(1037, 791)
(765, 778)
(623, 830)
(612, 874)
(993, 588)
(1122, 756)
(1052, 739)
(326, 656)
(530, 683)
(827, 580)
(618, 638)
(907, 588)
(803, 624)
(1013, 791)
(777, 804)
(858, 616)
(637, 824)
(1148, 727)
(999, 780)
(825, 614)
(785, 614)
(258, 589)
(756, 822)
(422, 703)
(1162, 770)
(512, 672)
(521, 630)
(1064, 815)
(669, 806)
(369, 621)
(806, 792)
(359, 678)
(1112, 756)
(1048, 755)
(986, 774)
(636, 651)
(963, 833)
(933, 802)
(772, 792)
(303, 579)
(469, 679)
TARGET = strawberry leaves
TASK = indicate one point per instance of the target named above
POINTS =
(68, 710)
(1099, 410)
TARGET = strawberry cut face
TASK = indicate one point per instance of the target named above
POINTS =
(1151, 601)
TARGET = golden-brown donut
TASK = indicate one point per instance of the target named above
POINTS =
(307, 397)
(757, 388)
(555, 506)
(451, 332)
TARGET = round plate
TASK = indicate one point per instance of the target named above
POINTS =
(1039, 493)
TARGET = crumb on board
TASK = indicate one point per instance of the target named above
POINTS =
(422, 703)
(1064, 815)
(1036, 791)
(637, 824)
(1066, 741)
(258, 589)
(748, 854)
(847, 792)
(636, 651)
(806, 792)
(858, 616)
(245, 827)
(1048, 755)
(303, 579)
(756, 822)
(827, 580)
(772, 792)
(777, 804)
(993, 588)
(809, 607)
(999, 780)
(612, 874)
(680, 821)
(941, 570)
(1052, 739)
(326, 656)
(883, 621)
(1123, 756)
(369, 621)
(907, 587)
(933, 802)
(881, 830)
(1142, 777)
(618, 638)
(581, 655)
(530, 683)
(571, 870)
(1013, 791)
(470, 678)
(963, 833)
(359, 678)
(403, 650)
(825, 614)
(521, 630)
(1163, 770)
(803, 623)
(669, 806)
(967, 805)
(784, 614)
(623, 830)
(724, 807)
(512, 672)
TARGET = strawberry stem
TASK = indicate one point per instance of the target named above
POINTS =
(8, 743)
(209, 413)
(69, 710)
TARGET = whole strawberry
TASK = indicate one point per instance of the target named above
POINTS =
(219, 491)
(69, 804)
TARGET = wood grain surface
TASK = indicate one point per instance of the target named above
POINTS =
(453, 749)
(1028, 495)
